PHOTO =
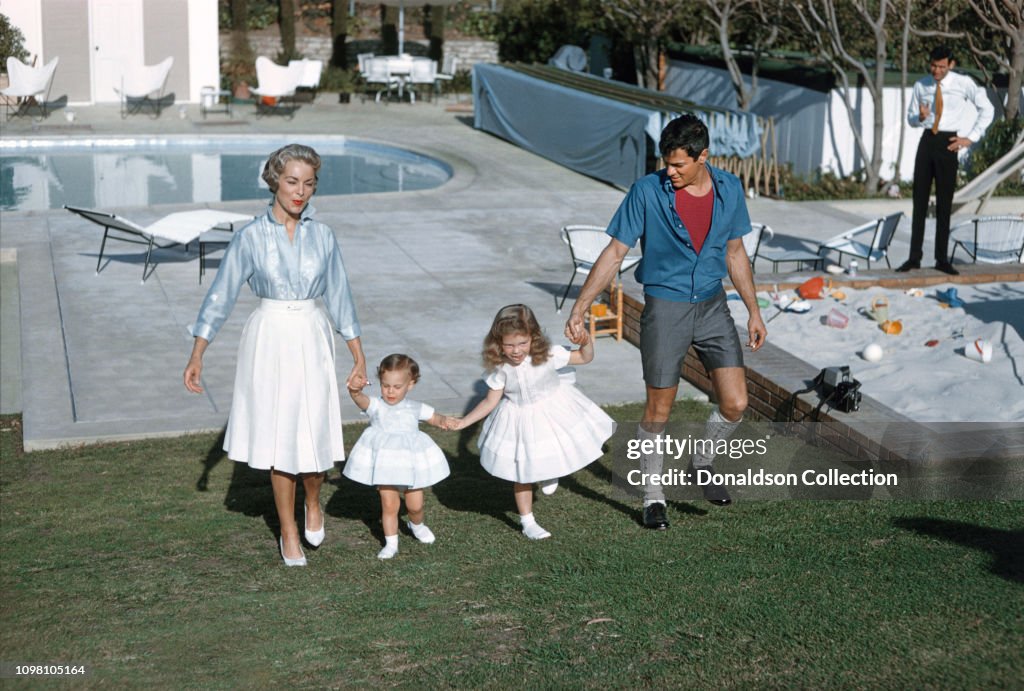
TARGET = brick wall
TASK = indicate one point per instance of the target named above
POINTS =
(319, 48)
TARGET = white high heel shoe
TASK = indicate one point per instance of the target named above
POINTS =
(314, 537)
(301, 561)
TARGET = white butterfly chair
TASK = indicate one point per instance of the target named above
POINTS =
(869, 241)
(139, 84)
(585, 245)
(990, 239)
(422, 75)
(30, 86)
(277, 83)
(310, 74)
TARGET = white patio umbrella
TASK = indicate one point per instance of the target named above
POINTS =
(401, 5)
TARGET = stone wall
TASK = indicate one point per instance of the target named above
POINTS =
(469, 52)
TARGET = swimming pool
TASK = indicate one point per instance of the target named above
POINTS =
(37, 174)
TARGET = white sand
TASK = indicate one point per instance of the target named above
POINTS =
(928, 384)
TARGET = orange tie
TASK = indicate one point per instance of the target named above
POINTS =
(938, 107)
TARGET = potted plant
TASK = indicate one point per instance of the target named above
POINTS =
(345, 82)
(236, 76)
(12, 44)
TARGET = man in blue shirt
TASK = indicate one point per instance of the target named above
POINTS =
(690, 219)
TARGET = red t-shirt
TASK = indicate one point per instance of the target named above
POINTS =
(695, 213)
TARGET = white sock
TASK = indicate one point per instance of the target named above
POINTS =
(717, 429)
(390, 548)
(421, 532)
(531, 528)
(549, 486)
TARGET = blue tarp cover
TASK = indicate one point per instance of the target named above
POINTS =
(596, 136)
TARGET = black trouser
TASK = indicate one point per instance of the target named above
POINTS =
(934, 161)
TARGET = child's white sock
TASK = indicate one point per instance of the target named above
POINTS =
(531, 528)
(549, 486)
(421, 532)
(390, 548)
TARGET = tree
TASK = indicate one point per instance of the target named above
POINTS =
(339, 33)
(287, 24)
(758, 20)
(835, 38)
(1005, 20)
(648, 25)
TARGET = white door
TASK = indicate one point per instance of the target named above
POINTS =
(115, 32)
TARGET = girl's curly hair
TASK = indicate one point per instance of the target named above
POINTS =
(515, 319)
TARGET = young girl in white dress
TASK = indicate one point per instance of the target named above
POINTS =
(538, 428)
(393, 454)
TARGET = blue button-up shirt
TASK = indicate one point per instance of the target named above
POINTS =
(274, 267)
(671, 269)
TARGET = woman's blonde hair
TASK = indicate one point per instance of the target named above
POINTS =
(515, 319)
(279, 159)
(397, 362)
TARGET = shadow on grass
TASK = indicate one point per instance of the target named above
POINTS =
(356, 502)
(470, 488)
(1005, 546)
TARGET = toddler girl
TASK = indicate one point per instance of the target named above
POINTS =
(538, 428)
(393, 454)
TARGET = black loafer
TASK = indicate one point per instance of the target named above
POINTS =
(654, 517)
(908, 266)
(946, 268)
(716, 494)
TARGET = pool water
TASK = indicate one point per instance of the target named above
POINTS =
(120, 173)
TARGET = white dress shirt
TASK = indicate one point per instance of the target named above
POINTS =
(966, 109)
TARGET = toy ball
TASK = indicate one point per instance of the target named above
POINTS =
(873, 352)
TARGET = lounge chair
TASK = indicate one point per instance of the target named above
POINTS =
(180, 228)
(585, 245)
(142, 85)
(990, 239)
(276, 85)
(30, 86)
(856, 243)
(754, 243)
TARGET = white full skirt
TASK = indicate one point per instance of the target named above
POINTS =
(401, 459)
(285, 412)
(545, 440)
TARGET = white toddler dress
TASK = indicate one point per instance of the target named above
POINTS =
(543, 428)
(393, 450)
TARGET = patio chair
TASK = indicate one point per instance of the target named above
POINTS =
(139, 83)
(310, 71)
(423, 74)
(378, 75)
(30, 86)
(449, 67)
(990, 239)
(571, 58)
(361, 59)
(276, 84)
(854, 241)
(180, 228)
(585, 245)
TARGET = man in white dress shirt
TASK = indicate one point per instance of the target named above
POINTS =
(955, 112)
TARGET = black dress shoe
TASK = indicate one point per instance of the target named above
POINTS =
(714, 491)
(654, 517)
(908, 266)
(946, 268)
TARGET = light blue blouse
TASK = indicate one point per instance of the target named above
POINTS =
(261, 254)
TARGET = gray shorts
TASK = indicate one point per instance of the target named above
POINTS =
(668, 329)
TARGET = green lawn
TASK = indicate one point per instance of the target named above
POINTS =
(155, 564)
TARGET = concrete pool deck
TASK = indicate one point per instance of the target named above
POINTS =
(101, 355)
